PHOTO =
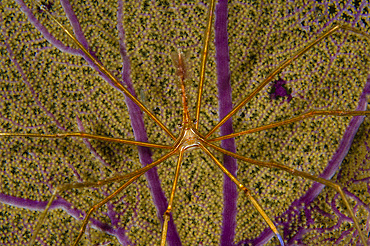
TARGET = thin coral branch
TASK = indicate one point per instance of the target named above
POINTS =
(105, 71)
(295, 172)
(132, 176)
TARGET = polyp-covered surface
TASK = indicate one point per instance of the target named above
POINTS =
(47, 86)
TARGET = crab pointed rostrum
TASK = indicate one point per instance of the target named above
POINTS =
(49, 86)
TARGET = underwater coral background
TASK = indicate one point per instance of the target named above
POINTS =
(47, 85)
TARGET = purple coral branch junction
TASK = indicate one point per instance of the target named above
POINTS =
(136, 117)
